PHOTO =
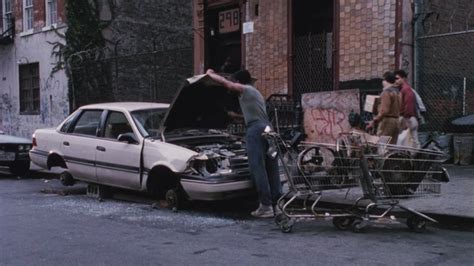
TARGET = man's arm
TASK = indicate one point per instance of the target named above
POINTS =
(235, 116)
(384, 106)
(233, 86)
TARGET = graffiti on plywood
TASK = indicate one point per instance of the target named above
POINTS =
(326, 114)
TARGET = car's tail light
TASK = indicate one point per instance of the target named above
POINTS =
(34, 141)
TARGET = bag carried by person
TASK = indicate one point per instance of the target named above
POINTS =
(420, 108)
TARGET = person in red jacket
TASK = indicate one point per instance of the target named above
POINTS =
(408, 119)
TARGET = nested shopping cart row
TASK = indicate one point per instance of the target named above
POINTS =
(381, 173)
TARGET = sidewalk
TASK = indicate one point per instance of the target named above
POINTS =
(455, 204)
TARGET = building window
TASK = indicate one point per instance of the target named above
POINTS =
(27, 14)
(51, 12)
(7, 14)
(29, 89)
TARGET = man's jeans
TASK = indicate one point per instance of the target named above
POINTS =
(264, 170)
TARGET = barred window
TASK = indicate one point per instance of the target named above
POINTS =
(51, 12)
(29, 89)
(27, 14)
(7, 14)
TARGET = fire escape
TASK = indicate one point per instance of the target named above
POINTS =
(8, 35)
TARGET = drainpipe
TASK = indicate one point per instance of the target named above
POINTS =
(290, 48)
(336, 38)
(464, 97)
(416, 33)
(398, 32)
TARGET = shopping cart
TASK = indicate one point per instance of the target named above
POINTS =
(389, 173)
(311, 169)
(385, 173)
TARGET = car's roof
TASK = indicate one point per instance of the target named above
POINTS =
(125, 106)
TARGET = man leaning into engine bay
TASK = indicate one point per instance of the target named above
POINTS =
(263, 168)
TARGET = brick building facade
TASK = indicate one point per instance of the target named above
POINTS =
(33, 83)
(360, 41)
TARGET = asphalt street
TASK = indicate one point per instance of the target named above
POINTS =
(41, 227)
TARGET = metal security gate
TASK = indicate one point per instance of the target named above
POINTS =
(312, 67)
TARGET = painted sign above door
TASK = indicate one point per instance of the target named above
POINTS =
(229, 20)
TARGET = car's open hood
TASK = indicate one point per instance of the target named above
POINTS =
(200, 103)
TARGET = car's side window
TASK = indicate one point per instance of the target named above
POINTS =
(88, 122)
(116, 124)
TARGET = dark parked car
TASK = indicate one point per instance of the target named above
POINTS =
(14, 153)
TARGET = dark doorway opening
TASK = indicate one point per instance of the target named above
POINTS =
(223, 39)
(312, 45)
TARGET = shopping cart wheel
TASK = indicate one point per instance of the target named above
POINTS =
(359, 226)
(342, 223)
(416, 223)
(281, 218)
(287, 226)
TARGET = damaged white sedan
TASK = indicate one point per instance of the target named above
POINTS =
(153, 147)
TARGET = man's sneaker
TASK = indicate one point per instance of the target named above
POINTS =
(263, 211)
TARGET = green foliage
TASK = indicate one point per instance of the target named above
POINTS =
(88, 73)
(84, 26)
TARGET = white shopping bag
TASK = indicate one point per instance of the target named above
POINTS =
(405, 139)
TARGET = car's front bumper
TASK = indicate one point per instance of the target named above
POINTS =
(9, 158)
(216, 190)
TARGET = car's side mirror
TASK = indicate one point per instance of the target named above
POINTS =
(127, 137)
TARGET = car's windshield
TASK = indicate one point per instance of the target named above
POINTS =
(149, 120)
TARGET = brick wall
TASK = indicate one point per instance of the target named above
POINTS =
(137, 28)
(39, 14)
(367, 38)
(266, 49)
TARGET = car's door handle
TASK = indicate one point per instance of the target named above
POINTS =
(100, 148)
(66, 143)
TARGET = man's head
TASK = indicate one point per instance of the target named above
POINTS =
(388, 79)
(242, 77)
(400, 77)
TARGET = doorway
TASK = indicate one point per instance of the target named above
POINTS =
(312, 46)
(223, 40)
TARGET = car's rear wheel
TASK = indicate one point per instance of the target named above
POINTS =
(20, 168)
(66, 179)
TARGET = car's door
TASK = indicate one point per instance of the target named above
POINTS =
(118, 163)
(79, 145)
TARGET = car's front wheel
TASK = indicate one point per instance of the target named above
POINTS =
(20, 168)
(164, 184)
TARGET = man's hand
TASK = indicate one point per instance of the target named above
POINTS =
(235, 115)
(233, 86)
(370, 125)
(210, 71)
